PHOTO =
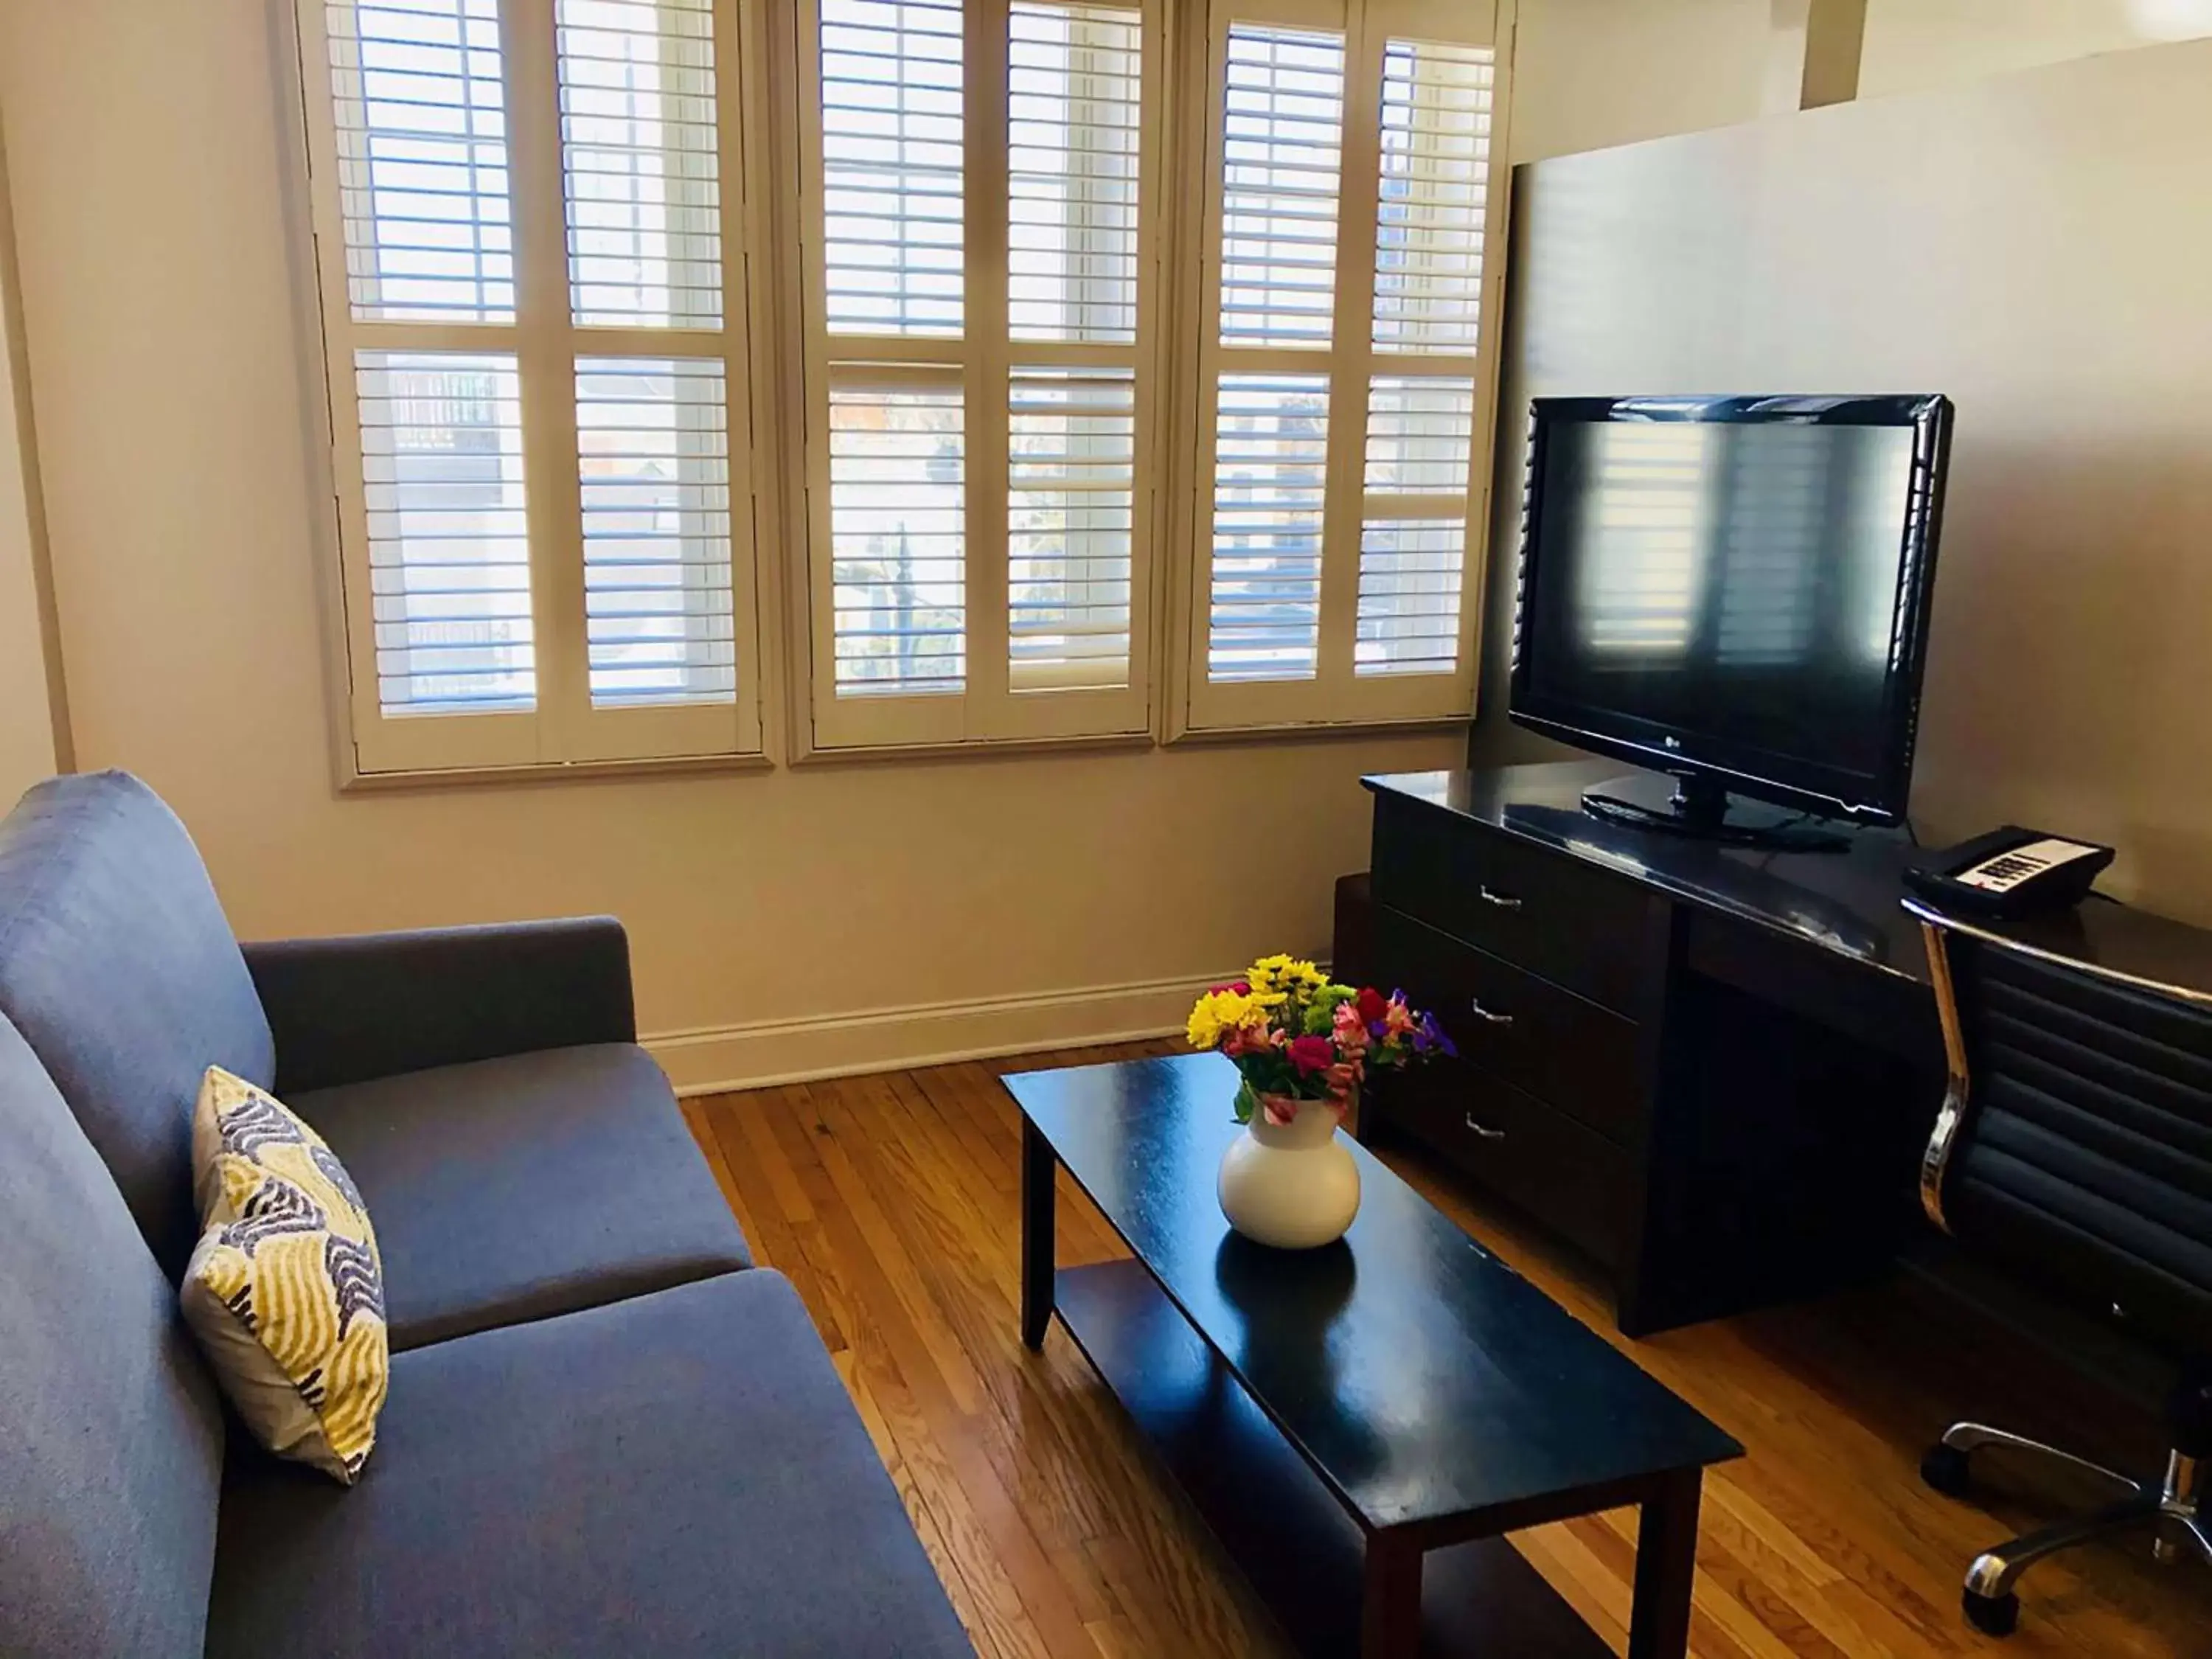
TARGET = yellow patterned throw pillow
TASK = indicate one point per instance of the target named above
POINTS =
(286, 1289)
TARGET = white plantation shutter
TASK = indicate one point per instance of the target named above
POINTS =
(1071, 523)
(1074, 103)
(652, 445)
(1346, 368)
(1280, 183)
(1413, 536)
(892, 158)
(535, 230)
(448, 542)
(419, 130)
(640, 162)
(1282, 153)
(1433, 210)
(528, 232)
(975, 241)
(898, 538)
(1271, 453)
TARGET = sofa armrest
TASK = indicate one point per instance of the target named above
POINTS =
(373, 1005)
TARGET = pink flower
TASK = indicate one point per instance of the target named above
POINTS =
(1245, 1040)
(1350, 1029)
(1342, 1078)
(1397, 1018)
(1281, 1110)
(1312, 1053)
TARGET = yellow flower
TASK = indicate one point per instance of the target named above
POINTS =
(1284, 975)
(1204, 1028)
(1219, 1012)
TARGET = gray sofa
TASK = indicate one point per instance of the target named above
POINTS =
(607, 1433)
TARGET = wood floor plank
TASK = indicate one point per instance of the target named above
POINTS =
(893, 1203)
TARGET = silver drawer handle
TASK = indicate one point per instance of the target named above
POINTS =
(1502, 900)
(1484, 1130)
(1474, 1006)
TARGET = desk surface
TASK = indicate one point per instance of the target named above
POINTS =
(1850, 902)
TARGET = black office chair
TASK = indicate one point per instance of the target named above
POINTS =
(2074, 1148)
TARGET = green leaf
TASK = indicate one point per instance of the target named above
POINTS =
(1247, 1102)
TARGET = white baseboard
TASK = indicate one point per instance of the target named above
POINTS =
(713, 1059)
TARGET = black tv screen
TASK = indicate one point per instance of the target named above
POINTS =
(1734, 588)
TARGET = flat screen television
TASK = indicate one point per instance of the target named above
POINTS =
(1735, 591)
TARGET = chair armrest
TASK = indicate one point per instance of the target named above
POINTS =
(373, 1005)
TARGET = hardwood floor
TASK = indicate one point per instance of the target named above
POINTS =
(892, 1203)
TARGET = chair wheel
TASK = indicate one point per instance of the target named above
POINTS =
(1992, 1615)
(1944, 1468)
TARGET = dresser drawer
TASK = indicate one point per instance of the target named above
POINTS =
(1541, 1162)
(1572, 924)
(1526, 1031)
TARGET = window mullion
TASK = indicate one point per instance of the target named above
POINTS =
(547, 352)
(987, 361)
(1351, 355)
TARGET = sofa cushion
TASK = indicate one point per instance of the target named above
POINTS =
(284, 1290)
(678, 1475)
(118, 967)
(511, 1189)
(111, 1440)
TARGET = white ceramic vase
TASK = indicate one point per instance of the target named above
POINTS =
(1290, 1185)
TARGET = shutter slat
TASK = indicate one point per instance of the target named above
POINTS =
(1282, 137)
(1073, 77)
(448, 548)
(640, 163)
(891, 92)
(1070, 524)
(1410, 575)
(898, 540)
(652, 456)
(1271, 455)
(420, 113)
(1421, 433)
(1434, 199)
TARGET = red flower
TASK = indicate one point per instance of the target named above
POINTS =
(1312, 1053)
(1371, 1005)
(1241, 987)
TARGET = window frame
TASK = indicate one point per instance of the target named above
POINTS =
(988, 713)
(769, 157)
(1335, 698)
(563, 730)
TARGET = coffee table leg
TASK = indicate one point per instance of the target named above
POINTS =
(1666, 1569)
(1039, 1168)
(1390, 1599)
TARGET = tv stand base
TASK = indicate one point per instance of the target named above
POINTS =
(1700, 807)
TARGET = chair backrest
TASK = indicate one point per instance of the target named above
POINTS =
(111, 1438)
(2076, 1142)
(118, 968)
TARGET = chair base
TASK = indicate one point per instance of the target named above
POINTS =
(2167, 1507)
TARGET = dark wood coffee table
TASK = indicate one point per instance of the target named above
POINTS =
(1358, 1424)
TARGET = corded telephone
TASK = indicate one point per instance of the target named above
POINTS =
(2009, 872)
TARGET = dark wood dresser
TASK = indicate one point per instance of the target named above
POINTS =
(1710, 1069)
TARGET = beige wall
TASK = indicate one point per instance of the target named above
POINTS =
(27, 728)
(2036, 246)
(1592, 73)
(1915, 44)
(170, 385)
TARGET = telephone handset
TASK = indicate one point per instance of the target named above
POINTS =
(2009, 872)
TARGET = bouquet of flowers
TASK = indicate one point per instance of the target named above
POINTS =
(1295, 1036)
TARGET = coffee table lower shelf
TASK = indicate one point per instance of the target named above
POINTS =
(1299, 1549)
